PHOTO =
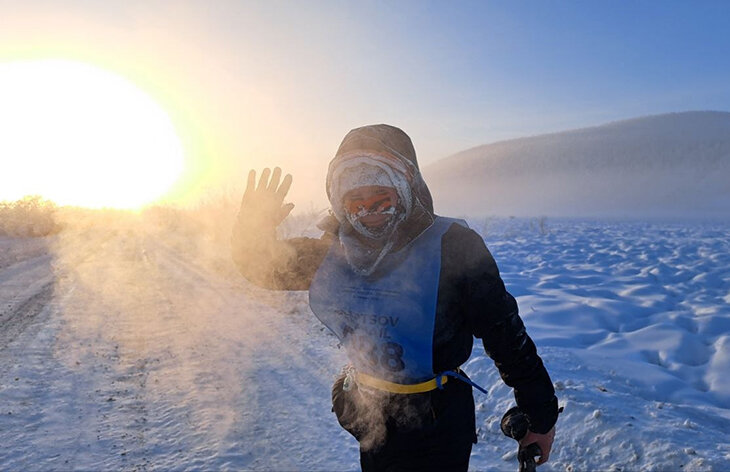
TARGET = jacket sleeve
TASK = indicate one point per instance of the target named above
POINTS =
(275, 264)
(492, 315)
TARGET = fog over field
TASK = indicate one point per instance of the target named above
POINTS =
(665, 166)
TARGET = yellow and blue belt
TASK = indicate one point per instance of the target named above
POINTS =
(427, 386)
(392, 387)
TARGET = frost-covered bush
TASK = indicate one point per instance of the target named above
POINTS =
(30, 216)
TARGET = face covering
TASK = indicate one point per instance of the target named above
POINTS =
(366, 245)
(371, 210)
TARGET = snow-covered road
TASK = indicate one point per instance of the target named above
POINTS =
(119, 354)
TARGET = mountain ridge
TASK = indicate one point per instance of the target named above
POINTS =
(674, 164)
(614, 123)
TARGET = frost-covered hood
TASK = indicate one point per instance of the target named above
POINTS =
(390, 146)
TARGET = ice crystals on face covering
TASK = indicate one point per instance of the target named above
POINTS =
(370, 200)
(365, 212)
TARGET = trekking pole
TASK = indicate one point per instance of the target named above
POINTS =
(514, 425)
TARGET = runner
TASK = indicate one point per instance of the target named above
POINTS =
(405, 291)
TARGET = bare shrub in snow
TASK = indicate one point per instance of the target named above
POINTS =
(540, 225)
(30, 216)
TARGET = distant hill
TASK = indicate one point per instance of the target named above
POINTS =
(672, 165)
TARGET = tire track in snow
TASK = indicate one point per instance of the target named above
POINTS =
(26, 286)
(23, 313)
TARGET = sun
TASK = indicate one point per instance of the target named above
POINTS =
(80, 135)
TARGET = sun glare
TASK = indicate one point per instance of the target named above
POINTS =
(79, 135)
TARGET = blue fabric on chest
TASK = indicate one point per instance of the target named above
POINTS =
(385, 321)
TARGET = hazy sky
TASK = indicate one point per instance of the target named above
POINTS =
(255, 83)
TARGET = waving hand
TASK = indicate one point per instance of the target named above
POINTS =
(263, 205)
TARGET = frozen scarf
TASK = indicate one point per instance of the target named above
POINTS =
(366, 247)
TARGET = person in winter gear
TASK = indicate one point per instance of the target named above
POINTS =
(405, 291)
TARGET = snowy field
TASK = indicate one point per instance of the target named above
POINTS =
(120, 351)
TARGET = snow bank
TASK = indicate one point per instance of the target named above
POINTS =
(631, 320)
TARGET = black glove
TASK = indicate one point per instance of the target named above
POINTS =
(346, 405)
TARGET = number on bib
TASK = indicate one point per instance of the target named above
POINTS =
(392, 357)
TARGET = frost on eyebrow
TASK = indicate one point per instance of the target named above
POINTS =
(381, 200)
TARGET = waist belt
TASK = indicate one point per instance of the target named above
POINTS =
(392, 387)
(351, 376)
